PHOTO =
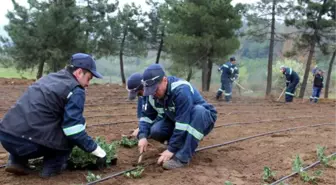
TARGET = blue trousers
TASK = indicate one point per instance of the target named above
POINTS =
(316, 94)
(21, 150)
(226, 87)
(290, 90)
(202, 120)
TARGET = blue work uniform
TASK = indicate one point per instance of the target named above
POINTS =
(47, 120)
(229, 74)
(292, 80)
(183, 117)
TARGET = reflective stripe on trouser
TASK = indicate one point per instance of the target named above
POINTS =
(226, 88)
(289, 94)
(315, 94)
(202, 122)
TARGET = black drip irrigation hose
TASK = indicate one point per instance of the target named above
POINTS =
(303, 169)
(213, 146)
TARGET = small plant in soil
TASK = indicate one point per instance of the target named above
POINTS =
(81, 159)
(321, 155)
(269, 175)
(92, 177)
(128, 142)
(228, 183)
(298, 167)
(135, 173)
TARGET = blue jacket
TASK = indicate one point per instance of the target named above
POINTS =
(291, 76)
(177, 104)
(74, 123)
(318, 81)
(229, 72)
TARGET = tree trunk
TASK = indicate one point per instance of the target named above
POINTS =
(270, 53)
(311, 52)
(204, 72)
(160, 48)
(40, 70)
(121, 53)
(326, 90)
(209, 73)
(305, 77)
(189, 74)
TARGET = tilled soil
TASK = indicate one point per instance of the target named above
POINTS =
(239, 163)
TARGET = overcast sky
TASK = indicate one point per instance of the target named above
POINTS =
(7, 5)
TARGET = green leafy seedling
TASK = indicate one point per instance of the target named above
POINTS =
(321, 155)
(228, 183)
(127, 142)
(81, 159)
(297, 164)
(135, 173)
(269, 175)
(92, 177)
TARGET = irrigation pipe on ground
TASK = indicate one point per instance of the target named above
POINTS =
(295, 173)
(215, 146)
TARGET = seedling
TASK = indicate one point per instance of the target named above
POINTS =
(127, 142)
(228, 183)
(321, 155)
(92, 177)
(82, 159)
(298, 167)
(269, 175)
(135, 173)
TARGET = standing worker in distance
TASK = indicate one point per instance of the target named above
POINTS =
(174, 111)
(317, 85)
(47, 120)
(230, 73)
(292, 80)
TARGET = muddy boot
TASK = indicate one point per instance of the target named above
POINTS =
(172, 164)
(17, 167)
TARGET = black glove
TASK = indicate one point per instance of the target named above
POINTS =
(101, 162)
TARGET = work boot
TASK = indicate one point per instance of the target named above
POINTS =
(172, 164)
(16, 167)
(52, 171)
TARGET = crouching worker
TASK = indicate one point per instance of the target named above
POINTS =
(135, 89)
(173, 111)
(47, 120)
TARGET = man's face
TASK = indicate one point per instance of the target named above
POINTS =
(161, 89)
(83, 79)
(233, 62)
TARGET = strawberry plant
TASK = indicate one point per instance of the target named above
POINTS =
(128, 142)
(228, 183)
(135, 173)
(298, 167)
(92, 177)
(269, 175)
(81, 159)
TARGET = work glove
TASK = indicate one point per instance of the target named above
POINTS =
(101, 157)
(101, 163)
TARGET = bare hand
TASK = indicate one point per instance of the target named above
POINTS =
(142, 145)
(165, 156)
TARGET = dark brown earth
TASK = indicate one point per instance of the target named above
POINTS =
(239, 163)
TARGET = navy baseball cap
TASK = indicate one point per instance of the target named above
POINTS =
(85, 61)
(151, 78)
(134, 85)
(232, 59)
